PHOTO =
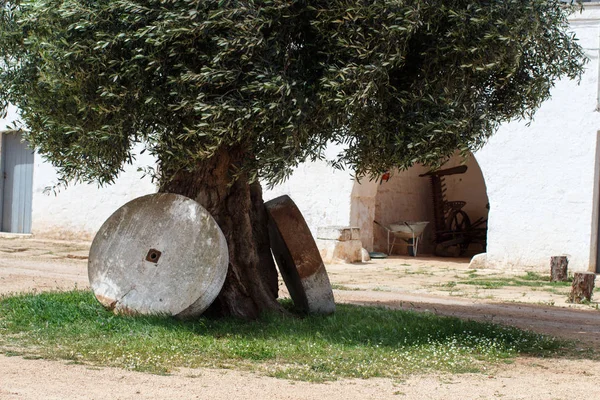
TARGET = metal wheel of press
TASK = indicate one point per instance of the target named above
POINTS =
(460, 223)
(158, 254)
(298, 258)
(449, 248)
(455, 240)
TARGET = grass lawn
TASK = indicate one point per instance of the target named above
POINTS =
(530, 279)
(356, 341)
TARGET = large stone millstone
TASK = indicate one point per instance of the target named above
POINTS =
(298, 258)
(158, 254)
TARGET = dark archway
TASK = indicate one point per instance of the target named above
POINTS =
(408, 197)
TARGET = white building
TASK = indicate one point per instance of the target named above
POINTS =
(541, 182)
(77, 212)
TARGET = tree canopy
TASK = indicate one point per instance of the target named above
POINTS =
(395, 81)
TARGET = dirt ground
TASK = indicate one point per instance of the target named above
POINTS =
(441, 286)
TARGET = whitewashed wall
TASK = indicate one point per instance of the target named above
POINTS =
(321, 193)
(11, 117)
(78, 211)
(541, 178)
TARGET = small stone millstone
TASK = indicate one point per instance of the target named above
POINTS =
(158, 254)
(298, 258)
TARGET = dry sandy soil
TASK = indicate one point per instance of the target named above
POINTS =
(419, 283)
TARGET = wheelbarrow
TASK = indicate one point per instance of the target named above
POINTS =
(409, 231)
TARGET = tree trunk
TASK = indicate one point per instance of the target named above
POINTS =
(582, 287)
(558, 269)
(251, 285)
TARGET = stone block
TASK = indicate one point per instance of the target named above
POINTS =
(478, 261)
(365, 256)
(335, 251)
(341, 233)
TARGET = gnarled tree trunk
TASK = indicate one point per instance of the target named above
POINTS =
(251, 285)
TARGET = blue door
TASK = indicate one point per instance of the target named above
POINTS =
(17, 184)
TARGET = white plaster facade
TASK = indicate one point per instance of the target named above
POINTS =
(320, 192)
(541, 181)
(78, 211)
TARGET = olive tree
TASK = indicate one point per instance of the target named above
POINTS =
(226, 94)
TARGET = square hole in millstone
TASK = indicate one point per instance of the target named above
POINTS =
(153, 255)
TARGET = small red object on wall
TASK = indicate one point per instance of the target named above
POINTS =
(385, 177)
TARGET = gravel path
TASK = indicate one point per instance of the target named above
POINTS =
(27, 265)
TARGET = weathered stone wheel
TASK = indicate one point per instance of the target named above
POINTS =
(158, 254)
(298, 258)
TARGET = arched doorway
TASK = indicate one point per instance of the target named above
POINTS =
(407, 196)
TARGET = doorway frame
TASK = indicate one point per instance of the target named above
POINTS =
(3, 138)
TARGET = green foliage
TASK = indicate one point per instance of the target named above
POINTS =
(395, 81)
(357, 342)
